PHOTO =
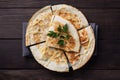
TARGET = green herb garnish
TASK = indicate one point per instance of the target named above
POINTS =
(67, 36)
(59, 29)
(62, 34)
(61, 42)
(52, 34)
(65, 28)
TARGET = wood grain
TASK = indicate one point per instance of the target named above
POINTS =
(104, 66)
(48, 75)
(11, 56)
(78, 3)
(112, 3)
(11, 21)
(41, 3)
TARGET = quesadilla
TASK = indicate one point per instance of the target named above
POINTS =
(64, 29)
(57, 27)
(87, 47)
(71, 14)
(38, 26)
(50, 58)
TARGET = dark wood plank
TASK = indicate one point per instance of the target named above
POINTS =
(112, 3)
(41, 3)
(11, 21)
(107, 47)
(109, 32)
(77, 3)
(108, 19)
(11, 55)
(104, 66)
(108, 56)
(48, 75)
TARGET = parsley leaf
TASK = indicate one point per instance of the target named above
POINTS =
(67, 36)
(61, 34)
(65, 28)
(61, 42)
(52, 34)
(59, 28)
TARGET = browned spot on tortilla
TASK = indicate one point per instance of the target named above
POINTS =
(27, 40)
(70, 17)
(73, 57)
(56, 24)
(70, 43)
(36, 37)
(58, 59)
(84, 38)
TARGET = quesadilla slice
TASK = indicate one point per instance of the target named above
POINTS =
(87, 47)
(63, 35)
(86, 37)
(38, 26)
(50, 58)
(73, 15)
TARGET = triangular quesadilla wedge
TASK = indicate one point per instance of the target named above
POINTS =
(87, 47)
(38, 26)
(63, 35)
(71, 14)
(50, 58)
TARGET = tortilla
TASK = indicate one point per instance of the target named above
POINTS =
(71, 14)
(87, 47)
(38, 26)
(50, 58)
(71, 44)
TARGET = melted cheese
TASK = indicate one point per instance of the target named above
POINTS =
(51, 54)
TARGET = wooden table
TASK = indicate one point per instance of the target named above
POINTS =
(104, 66)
